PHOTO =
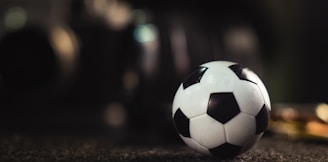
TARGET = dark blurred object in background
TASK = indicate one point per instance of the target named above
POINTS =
(36, 63)
(297, 71)
(186, 35)
(111, 66)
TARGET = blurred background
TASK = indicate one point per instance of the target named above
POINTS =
(113, 66)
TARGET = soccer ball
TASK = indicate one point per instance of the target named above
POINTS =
(221, 109)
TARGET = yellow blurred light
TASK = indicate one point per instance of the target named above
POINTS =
(322, 111)
(241, 39)
(317, 128)
(118, 15)
(96, 7)
(65, 45)
(115, 115)
(15, 18)
(289, 114)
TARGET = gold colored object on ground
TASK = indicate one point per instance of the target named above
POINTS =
(300, 121)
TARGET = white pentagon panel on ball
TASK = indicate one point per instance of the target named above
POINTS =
(249, 97)
(240, 129)
(218, 79)
(178, 98)
(207, 131)
(265, 93)
(251, 142)
(194, 101)
(193, 144)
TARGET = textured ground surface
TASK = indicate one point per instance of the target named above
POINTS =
(75, 148)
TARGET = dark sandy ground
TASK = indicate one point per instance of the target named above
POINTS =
(73, 148)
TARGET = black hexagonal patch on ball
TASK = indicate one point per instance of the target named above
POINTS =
(181, 122)
(262, 119)
(226, 150)
(243, 73)
(194, 77)
(222, 106)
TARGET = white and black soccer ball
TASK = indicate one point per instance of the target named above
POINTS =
(221, 109)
